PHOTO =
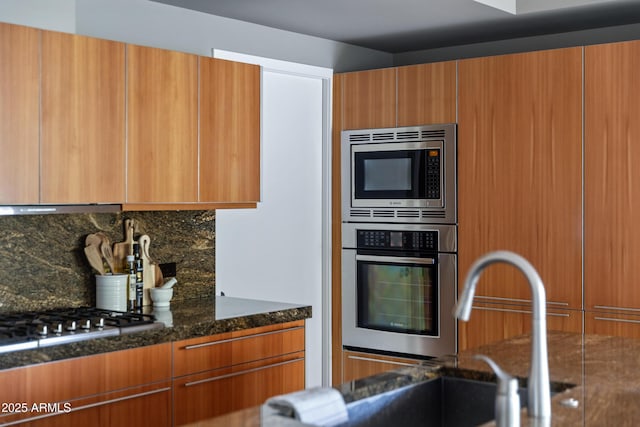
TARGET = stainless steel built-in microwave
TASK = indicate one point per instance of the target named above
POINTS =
(400, 174)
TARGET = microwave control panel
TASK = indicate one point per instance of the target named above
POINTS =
(433, 174)
(398, 240)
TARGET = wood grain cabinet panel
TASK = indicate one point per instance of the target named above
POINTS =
(19, 114)
(492, 323)
(226, 372)
(229, 131)
(358, 365)
(131, 380)
(427, 94)
(612, 197)
(369, 99)
(616, 324)
(83, 119)
(162, 111)
(520, 170)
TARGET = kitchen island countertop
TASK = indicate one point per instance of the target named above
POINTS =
(188, 319)
(603, 372)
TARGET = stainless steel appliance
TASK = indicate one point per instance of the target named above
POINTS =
(399, 288)
(404, 175)
(29, 330)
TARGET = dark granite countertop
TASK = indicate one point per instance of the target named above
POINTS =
(604, 373)
(188, 319)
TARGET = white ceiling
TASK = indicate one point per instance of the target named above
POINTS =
(406, 25)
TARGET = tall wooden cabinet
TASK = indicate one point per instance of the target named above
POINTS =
(83, 121)
(162, 126)
(612, 200)
(520, 177)
(19, 114)
(403, 96)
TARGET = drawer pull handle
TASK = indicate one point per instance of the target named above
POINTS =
(607, 307)
(207, 344)
(247, 371)
(611, 319)
(508, 310)
(390, 362)
(519, 301)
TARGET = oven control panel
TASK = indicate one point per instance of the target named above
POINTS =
(400, 240)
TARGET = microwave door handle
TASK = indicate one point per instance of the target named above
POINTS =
(396, 260)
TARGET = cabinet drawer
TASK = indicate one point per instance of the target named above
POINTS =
(359, 365)
(85, 381)
(616, 324)
(210, 394)
(233, 348)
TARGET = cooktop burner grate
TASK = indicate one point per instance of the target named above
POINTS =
(34, 329)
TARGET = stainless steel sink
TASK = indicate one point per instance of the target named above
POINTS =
(443, 401)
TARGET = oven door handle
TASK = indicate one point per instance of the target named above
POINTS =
(396, 260)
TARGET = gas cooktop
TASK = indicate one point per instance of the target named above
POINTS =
(34, 329)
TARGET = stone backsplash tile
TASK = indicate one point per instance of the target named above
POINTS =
(42, 261)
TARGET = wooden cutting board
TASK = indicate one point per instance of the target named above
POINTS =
(148, 268)
(122, 249)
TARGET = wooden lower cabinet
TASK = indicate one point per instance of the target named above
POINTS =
(356, 365)
(617, 324)
(128, 387)
(218, 374)
(491, 323)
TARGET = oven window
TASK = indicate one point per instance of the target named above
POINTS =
(397, 297)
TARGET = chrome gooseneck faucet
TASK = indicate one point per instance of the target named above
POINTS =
(539, 405)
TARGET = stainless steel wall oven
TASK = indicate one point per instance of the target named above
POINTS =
(399, 287)
(399, 240)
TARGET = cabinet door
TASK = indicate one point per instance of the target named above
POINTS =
(369, 99)
(207, 395)
(612, 153)
(229, 131)
(19, 114)
(83, 131)
(427, 94)
(520, 173)
(493, 323)
(358, 365)
(162, 126)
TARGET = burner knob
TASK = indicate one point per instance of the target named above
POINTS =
(85, 324)
(56, 328)
(98, 322)
(71, 325)
(42, 330)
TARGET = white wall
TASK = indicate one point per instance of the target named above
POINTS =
(276, 251)
(59, 15)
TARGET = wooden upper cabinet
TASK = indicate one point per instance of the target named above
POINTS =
(427, 94)
(162, 129)
(612, 153)
(19, 114)
(83, 119)
(519, 170)
(369, 99)
(229, 131)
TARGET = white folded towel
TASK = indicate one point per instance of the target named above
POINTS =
(318, 406)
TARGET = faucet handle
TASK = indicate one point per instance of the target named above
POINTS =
(507, 407)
